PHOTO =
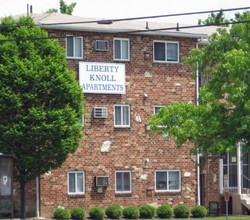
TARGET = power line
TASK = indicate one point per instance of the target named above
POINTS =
(36, 38)
(110, 21)
(135, 18)
(182, 14)
(177, 28)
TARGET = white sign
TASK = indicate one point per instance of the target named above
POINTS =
(106, 78)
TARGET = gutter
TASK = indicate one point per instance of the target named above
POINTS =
(37, 197)
(198, 154)
(114, 30)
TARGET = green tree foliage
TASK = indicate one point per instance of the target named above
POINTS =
(64, 8)
(52, 10)
(67, 9)
(215, 19)
(41, 103)
(222, 118)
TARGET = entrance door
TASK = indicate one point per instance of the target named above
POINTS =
(246, 171)
(230, 169)
(202, 193)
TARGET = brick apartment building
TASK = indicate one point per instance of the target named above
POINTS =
(128, 70)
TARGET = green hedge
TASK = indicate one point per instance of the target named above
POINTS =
(96, 213)
(61, 213)
(77, 213)
(113, 211)
(199, 211)
(164, 211)
(133, 212)
(181, 211)
(147, 211)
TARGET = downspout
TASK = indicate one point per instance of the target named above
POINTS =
(198, 155)
(37, 198)
(239, 170)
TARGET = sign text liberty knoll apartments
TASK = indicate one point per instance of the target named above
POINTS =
(108, 78)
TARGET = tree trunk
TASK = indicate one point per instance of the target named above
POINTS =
(22, 194)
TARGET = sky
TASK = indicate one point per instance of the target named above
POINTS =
(112, 9)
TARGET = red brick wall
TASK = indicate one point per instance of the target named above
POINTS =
(211, 182)
(129, 146)
(30, 196)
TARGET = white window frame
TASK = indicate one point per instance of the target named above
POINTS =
(121, 49)
(122, 125)
(83, 183)
(74, 46)
(130, 181)
(166, 46)
(158, 108)
(156, 111)
(168, 189)
(83, 120)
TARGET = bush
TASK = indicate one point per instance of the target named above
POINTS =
(199, 211)
(77, 213)
(147, 211)
(96, 213)
(113, 211)
(61, 213)
(131, 212)
(181, 211)
(164, 211)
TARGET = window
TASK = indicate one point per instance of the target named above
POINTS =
(166, 51)
(157, 108)
(82, 120)
(121, 49)
(123, 182)
(74, 47)
(76, 182)
(167, 180)
(122, 116)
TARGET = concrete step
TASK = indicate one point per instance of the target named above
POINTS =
(245, 200)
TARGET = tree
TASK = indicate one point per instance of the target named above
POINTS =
(52, 10)
(214, 19)
(41, 103)
(222, 118)
(64, 8)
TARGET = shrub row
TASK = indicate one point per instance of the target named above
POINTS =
(133, 212)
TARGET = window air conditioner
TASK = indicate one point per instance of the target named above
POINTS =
(101, 180)
(102, 45)
(100, 112)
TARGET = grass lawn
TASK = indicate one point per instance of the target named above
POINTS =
(230, 217)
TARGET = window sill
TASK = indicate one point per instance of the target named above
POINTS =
(74, 58)
(121, 194)
(76, 195)
(122, 60)
(122, 127)
(167, 191)
(166, 62)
